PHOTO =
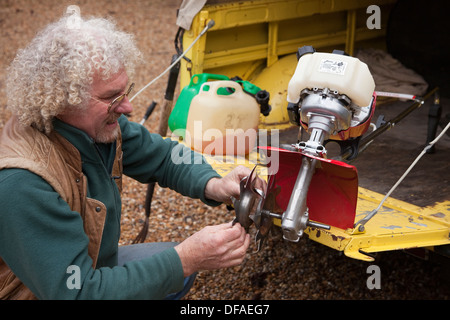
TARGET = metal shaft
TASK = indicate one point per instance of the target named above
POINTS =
(295, 218)
(391, 123)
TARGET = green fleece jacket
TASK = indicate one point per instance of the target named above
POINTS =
(40, 235)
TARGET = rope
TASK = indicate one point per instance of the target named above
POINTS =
(373, 212)
(208, 26)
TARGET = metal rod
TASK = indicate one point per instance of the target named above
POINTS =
(314, 224)
(295, 217)
(388, 125)
(397, 95)
(365, 141)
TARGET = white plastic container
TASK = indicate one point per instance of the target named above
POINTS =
(222, 124)
(345, 74)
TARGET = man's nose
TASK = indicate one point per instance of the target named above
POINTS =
(125, 106)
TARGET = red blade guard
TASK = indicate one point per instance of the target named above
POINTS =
(332, 194)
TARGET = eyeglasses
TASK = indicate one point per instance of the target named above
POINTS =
(116, 102)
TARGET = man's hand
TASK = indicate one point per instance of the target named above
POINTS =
(223, 245)
(222, 189)
(213, 247)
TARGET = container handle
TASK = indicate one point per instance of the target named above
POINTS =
(214, 86)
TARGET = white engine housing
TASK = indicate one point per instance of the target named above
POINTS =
(343, 74)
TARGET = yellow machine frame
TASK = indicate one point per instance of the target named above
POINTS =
(397, 225)
(257, 41)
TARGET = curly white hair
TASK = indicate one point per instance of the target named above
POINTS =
(55, 71)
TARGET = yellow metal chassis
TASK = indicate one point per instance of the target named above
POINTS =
(397, 225)
(257, 41)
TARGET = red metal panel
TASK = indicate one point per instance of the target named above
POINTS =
(332, 194)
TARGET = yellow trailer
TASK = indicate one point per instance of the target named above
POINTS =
(258, 41)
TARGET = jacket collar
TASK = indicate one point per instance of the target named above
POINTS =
(90, 151)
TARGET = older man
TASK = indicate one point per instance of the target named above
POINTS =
(62, 155)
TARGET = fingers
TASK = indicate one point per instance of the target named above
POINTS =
(233, 244)
(239, 232)
(231, 235)
(261, 184)
(229, 186)
(241, 245)
(242, 172)
(236, 248)
(214, 247)
(238, 244)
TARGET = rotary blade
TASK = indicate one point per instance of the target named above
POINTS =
(265, 211)
(249, 198)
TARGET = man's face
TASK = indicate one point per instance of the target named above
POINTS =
(95, 120)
